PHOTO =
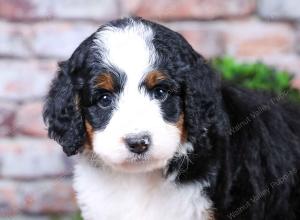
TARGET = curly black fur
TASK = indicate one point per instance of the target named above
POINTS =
(246, 143)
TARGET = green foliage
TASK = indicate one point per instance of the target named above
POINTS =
(256, 76)
(75, 216)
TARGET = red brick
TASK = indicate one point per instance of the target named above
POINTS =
(58, 9)
(254, 38)
(278, 9)
(42, 39)
(21, 80)
(14, 40)
(187, 9)
(54, 196)
(37, 197)
(7, 118)
(296, 82)
(26, 158)
(29, 120)
(8, 200)
(66, 216)
(298, 39)
(289, 62)
(203, 39)
(59, 39)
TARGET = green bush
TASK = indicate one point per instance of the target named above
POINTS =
(256, 76)
(75, 216)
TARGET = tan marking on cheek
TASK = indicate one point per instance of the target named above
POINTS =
(153, 78)
(210, 214)
(181, 127)
(90, 133)
(105, 81)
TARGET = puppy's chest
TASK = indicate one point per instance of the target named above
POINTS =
(103, 195)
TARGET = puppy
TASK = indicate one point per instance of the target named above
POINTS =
(159, 136)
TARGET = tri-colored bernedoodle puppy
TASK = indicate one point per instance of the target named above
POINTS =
(154, 128)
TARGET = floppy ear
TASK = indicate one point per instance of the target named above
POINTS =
(202, 101)
(203, 120)
(206, 124)
(62, 113)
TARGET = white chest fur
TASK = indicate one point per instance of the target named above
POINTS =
(104, 195)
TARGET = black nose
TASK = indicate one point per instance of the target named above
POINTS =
(138, 143)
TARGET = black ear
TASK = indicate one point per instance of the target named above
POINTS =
(204, 121)
(203, 110)
(62, 114)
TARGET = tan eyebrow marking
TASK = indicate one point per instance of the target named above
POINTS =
(153, 78)
(105, 81)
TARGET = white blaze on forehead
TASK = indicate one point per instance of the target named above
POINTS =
(129, 48)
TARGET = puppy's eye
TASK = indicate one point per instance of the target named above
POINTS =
(106, 100)
(160, 94)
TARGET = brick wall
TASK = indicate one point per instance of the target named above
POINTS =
(34, 35)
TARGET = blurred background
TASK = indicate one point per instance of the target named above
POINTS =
(35, 176)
